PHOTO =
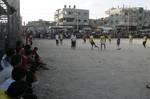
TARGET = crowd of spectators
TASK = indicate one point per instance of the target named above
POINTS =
(21, 65)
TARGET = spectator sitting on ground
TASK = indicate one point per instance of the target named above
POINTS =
(17, 90)
(24, 60)
(31, 74)
(19, 46)
(16, 60)
(37, 59)
(9, 53)
(36, 56)
(20, 74)
(6, 69)
(16, 74)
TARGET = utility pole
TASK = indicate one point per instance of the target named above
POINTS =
(77, 20)
(129, 21)
(58, 12)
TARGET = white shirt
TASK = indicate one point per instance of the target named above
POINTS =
(7, 69)
(73, 37)
(56, 37)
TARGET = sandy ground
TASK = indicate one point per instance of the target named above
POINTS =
(93, 74)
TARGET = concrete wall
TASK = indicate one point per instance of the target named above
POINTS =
(14, 26)
(15, 22)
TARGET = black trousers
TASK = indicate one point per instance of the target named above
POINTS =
(73, 44)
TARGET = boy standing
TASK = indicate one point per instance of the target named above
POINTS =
(57, 39)
(103, 41)
(145, 41)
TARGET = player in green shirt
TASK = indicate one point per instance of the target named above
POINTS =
(103, 41)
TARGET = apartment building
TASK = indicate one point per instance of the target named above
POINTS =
(134, 18)
(78, 18)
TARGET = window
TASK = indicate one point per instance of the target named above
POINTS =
(85, 20)
(69, 13)
(111, 22)
(145, 23)
(85, 13)
(65, 12)
(116, 21)
(116, 14)
(64, 20)
(70, 19)
(125, 13)
(140, 18)
(125, 21)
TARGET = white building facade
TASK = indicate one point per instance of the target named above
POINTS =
(78, 18)
(135, 18)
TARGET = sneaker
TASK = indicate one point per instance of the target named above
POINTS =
(119, 49)
(148, 86)
(45, 68)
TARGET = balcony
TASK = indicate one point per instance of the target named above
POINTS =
(127, 23)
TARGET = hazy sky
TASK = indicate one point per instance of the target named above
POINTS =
(45, 9)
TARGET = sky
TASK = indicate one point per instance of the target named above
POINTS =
(32, 10)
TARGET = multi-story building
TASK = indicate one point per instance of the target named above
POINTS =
(78, 18)
(134, 19)
(39, 26)
(95, 23)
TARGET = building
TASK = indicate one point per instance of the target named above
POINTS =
(39, 27)
(78, 18)
(95, 23)
(131, 19)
